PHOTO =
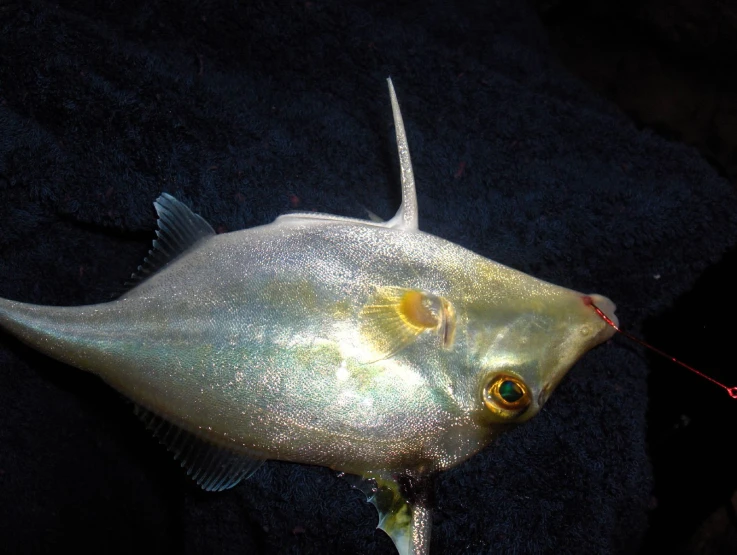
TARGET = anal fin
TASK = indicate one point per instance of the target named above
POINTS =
(213, 467)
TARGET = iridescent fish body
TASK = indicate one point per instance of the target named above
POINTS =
(371, 348)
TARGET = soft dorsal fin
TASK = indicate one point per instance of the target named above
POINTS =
(178, 230)
(214, 468)
(406, 216)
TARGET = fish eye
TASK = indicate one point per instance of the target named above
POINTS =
(506, 396)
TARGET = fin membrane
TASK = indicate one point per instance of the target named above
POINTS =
(179, 229)
(214, 468)
(373, 217)
(396, 316)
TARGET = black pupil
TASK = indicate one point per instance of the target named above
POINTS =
(510, 391)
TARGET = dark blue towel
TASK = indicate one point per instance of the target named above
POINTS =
(246, 112)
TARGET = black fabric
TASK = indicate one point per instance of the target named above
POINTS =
(248, 111)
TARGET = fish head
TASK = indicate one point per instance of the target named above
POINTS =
(522, 335)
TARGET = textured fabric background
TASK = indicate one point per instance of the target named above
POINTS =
(247, 111)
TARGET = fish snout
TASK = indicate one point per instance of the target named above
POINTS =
(608, 308)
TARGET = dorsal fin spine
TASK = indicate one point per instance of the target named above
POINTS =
(406, 216)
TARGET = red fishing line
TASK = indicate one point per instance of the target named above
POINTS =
(731, 390)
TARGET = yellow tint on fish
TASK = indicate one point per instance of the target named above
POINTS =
(371, 348)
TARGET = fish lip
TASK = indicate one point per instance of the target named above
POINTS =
(607, 307)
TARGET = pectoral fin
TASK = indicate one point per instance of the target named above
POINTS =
(407, 524)
(396, 316)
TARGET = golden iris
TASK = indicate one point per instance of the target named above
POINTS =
(506, 396)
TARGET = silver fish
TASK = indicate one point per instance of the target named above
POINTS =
(372, 348)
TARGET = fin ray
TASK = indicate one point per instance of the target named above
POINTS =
(213, 467)
(179, 229)
(396, 316)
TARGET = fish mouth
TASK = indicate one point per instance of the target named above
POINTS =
(597, 324)
(607, 308)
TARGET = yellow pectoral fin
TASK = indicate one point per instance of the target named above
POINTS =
(396, 316)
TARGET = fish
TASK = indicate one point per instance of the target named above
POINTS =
(369, 347)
